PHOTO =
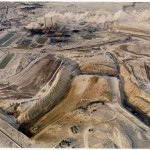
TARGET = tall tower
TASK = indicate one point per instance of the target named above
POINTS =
(52, 21)
(45, 22)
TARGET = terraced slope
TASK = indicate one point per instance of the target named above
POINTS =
(54, 95)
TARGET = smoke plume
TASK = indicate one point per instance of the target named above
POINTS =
(95, 17)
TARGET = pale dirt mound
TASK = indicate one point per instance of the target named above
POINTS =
(135, 27)
(99, 90)
(95, 67)
(101, 64)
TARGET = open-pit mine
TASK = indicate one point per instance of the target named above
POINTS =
(74, 75)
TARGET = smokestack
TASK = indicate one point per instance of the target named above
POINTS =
(113, 24)
(45, 22)
(52, 21)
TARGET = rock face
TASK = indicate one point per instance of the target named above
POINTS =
(95, 67)
(137, 97)
(55, 93)
(101, 65)
(141, 104)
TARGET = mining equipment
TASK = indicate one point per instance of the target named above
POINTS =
(58, 34)
(43, 51)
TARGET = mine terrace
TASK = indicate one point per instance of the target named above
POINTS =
(74, 75)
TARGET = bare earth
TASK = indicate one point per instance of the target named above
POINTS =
(87, 86)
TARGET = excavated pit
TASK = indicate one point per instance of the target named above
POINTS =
(90, 92)
(29, 127)
(55, 93)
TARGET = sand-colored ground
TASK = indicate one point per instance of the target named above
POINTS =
(92, 124)
(75, 97)
(100, 65)
(136, 97)
(1, 53)
(92, 91)
(134, 27)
